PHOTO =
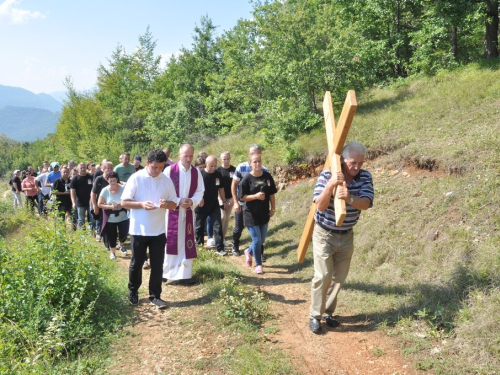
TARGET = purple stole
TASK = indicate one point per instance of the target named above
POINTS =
(173, 216)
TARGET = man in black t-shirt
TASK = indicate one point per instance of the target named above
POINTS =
(15, 182)
(81, 187)
(61, 189)
(137, 163)
(209, 205)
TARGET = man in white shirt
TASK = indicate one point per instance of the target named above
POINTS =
(148, 194)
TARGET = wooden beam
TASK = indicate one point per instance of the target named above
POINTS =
(336, 137)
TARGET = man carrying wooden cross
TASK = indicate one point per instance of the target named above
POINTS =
(333, 245)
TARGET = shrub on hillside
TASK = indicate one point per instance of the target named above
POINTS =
(56, 295)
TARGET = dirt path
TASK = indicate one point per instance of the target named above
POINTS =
(353, 348)
(349, 349)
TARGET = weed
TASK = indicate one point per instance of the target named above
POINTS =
(238, 305)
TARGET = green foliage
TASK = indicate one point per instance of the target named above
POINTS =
(57, 297)
(238, 305)
(268, 74)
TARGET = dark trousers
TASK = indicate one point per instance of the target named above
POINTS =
(238, 229)
(114, 232)
(200, 224)
(139, 245)
(32, 202)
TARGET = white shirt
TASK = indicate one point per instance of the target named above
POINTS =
(142, 187)
(42, 178)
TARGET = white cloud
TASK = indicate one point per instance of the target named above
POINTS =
(165, 57)
(13, 15)
(29, 63)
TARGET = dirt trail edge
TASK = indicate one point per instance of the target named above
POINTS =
(353, 348)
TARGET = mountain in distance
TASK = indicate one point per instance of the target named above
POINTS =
(27, 124)
(60, 96)
(19, 97)
(26, 116)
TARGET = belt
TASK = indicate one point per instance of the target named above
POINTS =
(333, 231)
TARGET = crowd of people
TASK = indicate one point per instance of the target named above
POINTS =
(167, 207)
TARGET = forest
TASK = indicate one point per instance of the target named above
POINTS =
(268, 73)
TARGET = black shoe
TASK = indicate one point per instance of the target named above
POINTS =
(133, 297)
(315, 325)
(330, 322)
(236, 251)
(190, 281)
(164, 280)
(158, 302)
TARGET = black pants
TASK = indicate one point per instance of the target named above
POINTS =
(201, 222)
(32, 202)
(238, 229)
(114, 232)
(139, 245)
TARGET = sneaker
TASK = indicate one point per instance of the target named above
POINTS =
(122, 249)
(221, 252)
(258, 270)
(226, 244)
(112, 256)
(133, 297)
(145, 266)
(161, 304)
(98, 238)
(236, 252)
(248, 257)
(211, 242)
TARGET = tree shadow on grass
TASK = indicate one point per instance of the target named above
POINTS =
(438, 305)
(283, 225)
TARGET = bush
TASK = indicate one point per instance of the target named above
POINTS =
(57, 296)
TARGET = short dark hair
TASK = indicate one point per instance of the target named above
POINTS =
(112, 174)
(157, 156)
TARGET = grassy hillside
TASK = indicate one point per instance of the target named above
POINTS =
(426, 264)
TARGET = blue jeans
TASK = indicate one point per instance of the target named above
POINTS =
(82, 212)
(258, 233)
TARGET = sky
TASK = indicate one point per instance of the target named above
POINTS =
(44, 41)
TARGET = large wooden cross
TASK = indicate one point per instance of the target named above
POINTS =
(336, 137)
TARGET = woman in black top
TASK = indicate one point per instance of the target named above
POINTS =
(257, 191)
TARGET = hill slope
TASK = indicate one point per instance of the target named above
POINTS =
(426, 265)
